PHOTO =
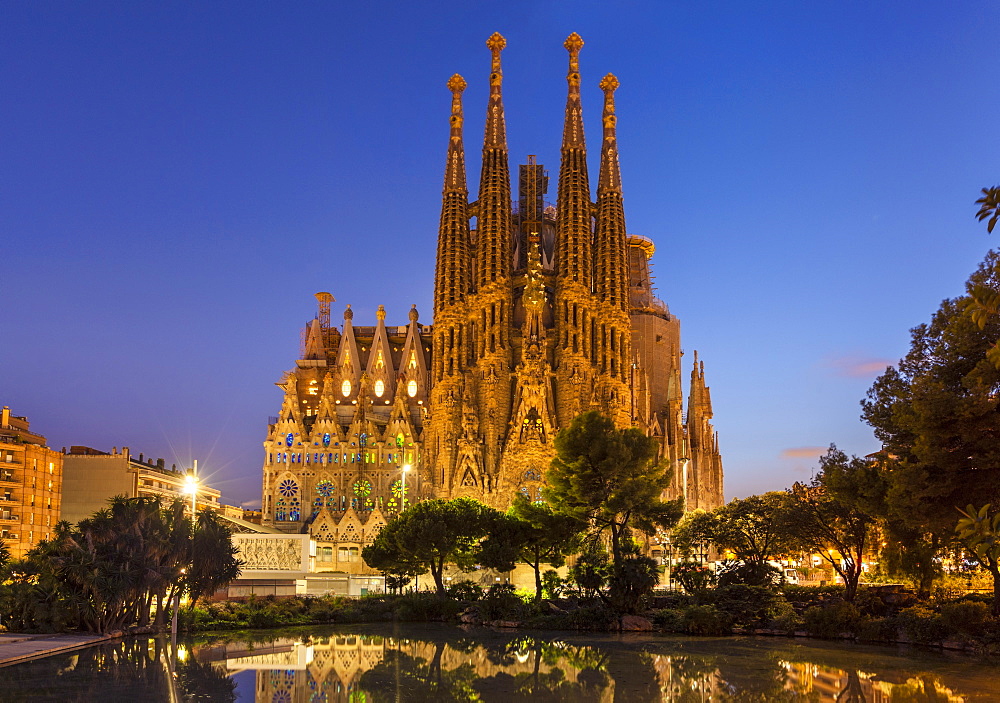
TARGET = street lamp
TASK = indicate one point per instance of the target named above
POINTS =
(191, 488)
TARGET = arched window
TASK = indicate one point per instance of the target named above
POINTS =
(411, 388)
(379, 388)
(345, 387)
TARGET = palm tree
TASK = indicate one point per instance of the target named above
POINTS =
(989, 206)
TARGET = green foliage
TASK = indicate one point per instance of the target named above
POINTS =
(967, 619)
(936, 415)
(989, 207)
(744, 605)
(753, 573)
(706, 620)
(980, 533)
(693, 576)
(753, 529)
(590, 572)
(835, 515)
(534, 534)
(431, 534)
(831, 620)
(611, 478)
(109, 571)
(465, 590)
(552, 585)
(922, 625)
(501, 602)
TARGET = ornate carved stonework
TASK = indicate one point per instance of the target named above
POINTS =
(541, 312)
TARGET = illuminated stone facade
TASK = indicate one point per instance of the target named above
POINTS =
(541, 312)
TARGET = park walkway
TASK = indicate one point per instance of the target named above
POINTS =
(17, 648)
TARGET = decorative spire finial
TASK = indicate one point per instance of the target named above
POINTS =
(380, 313)
(573, 45)
(496, 44)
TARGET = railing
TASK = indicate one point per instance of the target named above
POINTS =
(8, 516)
(10, 459)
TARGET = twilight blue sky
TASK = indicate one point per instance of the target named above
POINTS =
(178, 179)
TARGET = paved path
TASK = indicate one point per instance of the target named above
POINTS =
(17, 648)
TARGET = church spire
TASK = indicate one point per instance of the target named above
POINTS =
(611, 276)
(573, 227)
(453, 261)
(494, 211)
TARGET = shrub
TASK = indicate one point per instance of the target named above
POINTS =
(706, 620)
(968, 619)
(669, 619)
(552, 585)
(783, 617)
(466, 590)
(831, 620)
(501, 602)
(868, 629)
(923, 625)
(693, 576)
(745, 605)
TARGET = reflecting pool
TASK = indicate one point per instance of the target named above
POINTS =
(371, 664)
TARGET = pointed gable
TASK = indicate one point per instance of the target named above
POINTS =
(348, 368)
(412, 364)
(381, 375)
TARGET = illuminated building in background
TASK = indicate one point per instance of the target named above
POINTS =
(30, 485)
(541, 312)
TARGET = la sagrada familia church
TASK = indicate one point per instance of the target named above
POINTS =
(540, 313)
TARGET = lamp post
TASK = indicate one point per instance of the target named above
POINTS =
(191, 488)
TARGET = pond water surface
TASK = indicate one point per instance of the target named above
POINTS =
(370, 664)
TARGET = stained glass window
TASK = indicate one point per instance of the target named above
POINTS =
(411, 388)
(288, 488)
(379, 388)
(326, 439)
(362, 488)
(289, 438)
(345, 387)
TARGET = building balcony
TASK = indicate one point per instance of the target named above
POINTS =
(8, 477)
(10, 459)
(6, 516)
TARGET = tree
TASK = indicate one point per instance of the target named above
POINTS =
(980, 533)
(213, 557)
(989, 206)
(429, 535)
(612, 479)
(938, 417)
(754, 529)
(534, 534)
(835, 515)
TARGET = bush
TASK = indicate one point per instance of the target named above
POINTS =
(868, 629)
(693, 576)
(706, 620)
(968, 619)
(501, 602)
(783, 617)
(746, 606)
(831, 620)
(466, 590)
(669, 619)
(923, 625)
(552, 585)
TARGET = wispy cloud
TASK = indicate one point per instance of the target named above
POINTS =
(803, 452)
(858, 366)
(250, 504)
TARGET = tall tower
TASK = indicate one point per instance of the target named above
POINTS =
(575, 322)
(541, 312)
(490, 313)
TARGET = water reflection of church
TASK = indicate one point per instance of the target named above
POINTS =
(352, 667)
